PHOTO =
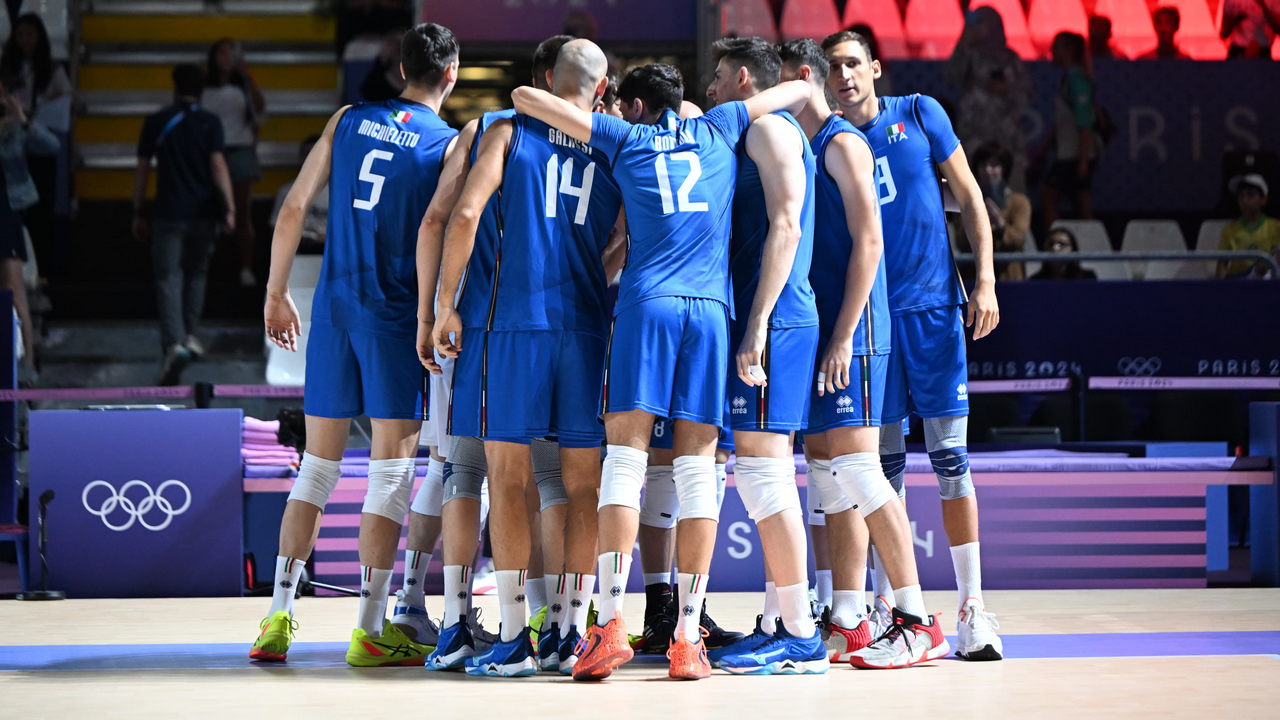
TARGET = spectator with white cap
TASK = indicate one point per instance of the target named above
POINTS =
(1253, 230)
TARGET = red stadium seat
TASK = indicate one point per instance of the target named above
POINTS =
(1015, 25)
(1047, 18)
(809, 19)
(1197, 33)
(933, 27)
(748, 18)
(883, 19)
(1131, 30)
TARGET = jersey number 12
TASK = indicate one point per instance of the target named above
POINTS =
(367, 175)
(682, 195)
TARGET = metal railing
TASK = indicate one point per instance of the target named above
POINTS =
(1130, 256)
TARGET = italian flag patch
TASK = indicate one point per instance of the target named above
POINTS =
(895, 130)
(402, 116)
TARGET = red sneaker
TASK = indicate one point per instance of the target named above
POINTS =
(688, 660)
(601, 650)
(843, 642)
(907, 642)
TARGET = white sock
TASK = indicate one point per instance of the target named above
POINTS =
(536, 589)
(578, 588)
(554, 586)
(288, 570)
(511, 585)
(693, 588)
(794, 603)
(824, 587)
(655, 578)
(848, 608)
(772, 610)
(375, 586)
(965, 558)
(415, 571)
(910, 600)
(882, 587)
(722, 481)
(457, 593)
(614, 569)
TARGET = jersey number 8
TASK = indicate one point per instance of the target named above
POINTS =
(565, 183)
(367, 175)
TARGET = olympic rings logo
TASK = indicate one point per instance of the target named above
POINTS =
(1139, 366)
(137, 512)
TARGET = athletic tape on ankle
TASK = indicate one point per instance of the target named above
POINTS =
(465, 469)
(945, 439)
(661, 506)
(695, 479)
(622, 477)
(390, 482)
(547, 474)
(862, 480)
(767, 486)
(317, 478)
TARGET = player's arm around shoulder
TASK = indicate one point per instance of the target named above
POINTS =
(984, 311)
(560, 114)
(791, 96)
(279, 314)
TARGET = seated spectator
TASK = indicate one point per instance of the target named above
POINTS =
(316, 223)
(384, 80)
(1167, 20)
(1100, 38)
(1062, 241)
(1253, 230)
(1250, 26)
(1008, 211)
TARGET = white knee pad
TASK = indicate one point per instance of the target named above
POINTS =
(722, 481)
(862, 480)
(390, 483)
(695, 479)
(812, 504)
(546, 473)
(317, 478)
(622, 477)
(946, 440)
(430, 495)
(830, 497)
(465, 469)
(767, 486)
(661, 507)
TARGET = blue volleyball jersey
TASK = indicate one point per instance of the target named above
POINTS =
(477, 285)
(795, 306)
(909, 136)
(677, 179)
(832, 245)
(557, 205)
(384, 168)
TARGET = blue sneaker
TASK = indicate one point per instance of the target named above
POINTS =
(454, 647)
(514, 658)
(549, 647)
(757, 638)
(569, 650)
(785, 654)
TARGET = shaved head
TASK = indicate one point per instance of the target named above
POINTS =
(580, 67)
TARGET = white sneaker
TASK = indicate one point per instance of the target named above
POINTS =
(485, 581)
(247, 278)
(880, 616)
(193, 344)
(976, 633)
(483, 638)
(414, 622)
(907, 642)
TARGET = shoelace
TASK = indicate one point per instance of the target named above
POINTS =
(477, 629)
(972, 617)
(293, 625)
(893, 633)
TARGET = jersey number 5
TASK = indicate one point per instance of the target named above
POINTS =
(565, 182)
(682, 195)
(367, 175)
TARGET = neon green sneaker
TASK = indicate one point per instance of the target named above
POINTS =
(535, 625)
(393, 648)
(592, 614)
(273, 642)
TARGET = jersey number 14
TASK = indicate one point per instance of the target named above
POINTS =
(564, 184)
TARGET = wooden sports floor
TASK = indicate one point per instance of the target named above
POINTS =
(1069, 653)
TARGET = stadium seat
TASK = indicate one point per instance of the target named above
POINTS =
(933, 27)
(1047, 18)
(1015, 25)
(1092, 238)
(1131, 30)
(1153, 236)
(884, 20)
(1197, 32)
(747, 18)
(809, 19)
(1206, 241)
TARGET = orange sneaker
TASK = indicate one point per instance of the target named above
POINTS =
(688, 661)
(602, 649)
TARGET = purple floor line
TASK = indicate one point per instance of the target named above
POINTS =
(233, 656)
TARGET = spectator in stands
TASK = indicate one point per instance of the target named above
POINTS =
(994, 90)
(1167, 20)
(20, 136)
(44, 89)
(882, 84)
(1250, 27)
(1062, 241)
(193, 193)
(233, 95)
(384, 80)
(1074, 141)
(316, 223)
(1100, 38)
(1253, 230)
(1008, 211)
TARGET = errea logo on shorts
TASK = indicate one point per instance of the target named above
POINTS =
(844, 404)
(739, 406)
(962, 392)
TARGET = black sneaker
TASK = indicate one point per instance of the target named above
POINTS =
(175, 360)
(716, 636)
(659, 619)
